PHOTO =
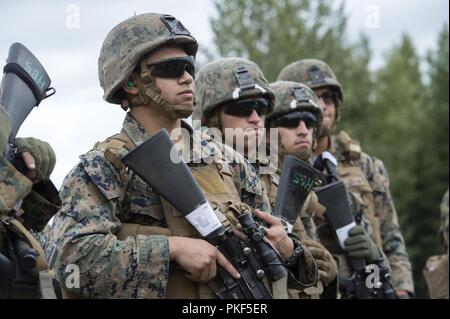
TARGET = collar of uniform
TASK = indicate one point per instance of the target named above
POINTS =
(265, 167)
(199, 143)
(195, 147)
(333, 148)
(136, 132)
(336, 149)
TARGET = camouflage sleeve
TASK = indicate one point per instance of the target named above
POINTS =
(5, 128)
(40, 205)
(83, 235)
(393, 242)
(310, 227)
(13, 186)
(248, 184)
(444, 219)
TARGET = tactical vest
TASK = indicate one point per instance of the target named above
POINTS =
(215, 181)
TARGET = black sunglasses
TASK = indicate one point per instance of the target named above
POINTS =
(329, 97)
(173, 67)
(244, 108)
(292, 120)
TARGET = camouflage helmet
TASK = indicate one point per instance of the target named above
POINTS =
(292, 97)
(226, 80)
(312, 72)
(128, 42)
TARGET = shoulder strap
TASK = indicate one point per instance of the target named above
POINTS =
(114, 148)
(352, 149)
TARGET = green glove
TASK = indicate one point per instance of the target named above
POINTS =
(43, 154)
(360, 245)
(325, 262)
(5, 129)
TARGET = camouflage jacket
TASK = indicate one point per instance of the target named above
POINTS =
(13, 186)
(393, 244)
(97, 199)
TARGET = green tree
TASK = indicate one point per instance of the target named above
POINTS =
(274, 33)
(433, 154)
(436, 113)
(395, 119)
(409, 123)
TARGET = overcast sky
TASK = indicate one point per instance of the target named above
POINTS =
(66, 36)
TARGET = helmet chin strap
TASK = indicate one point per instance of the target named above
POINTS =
(149, 92)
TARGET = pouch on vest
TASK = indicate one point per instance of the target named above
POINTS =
(436, 276)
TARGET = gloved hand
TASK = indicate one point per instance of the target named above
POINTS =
(43, 155)
(5, 129)
(360, 245)
(325, 262)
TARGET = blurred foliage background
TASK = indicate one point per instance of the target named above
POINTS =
(398, 111)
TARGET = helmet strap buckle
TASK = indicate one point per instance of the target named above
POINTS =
(145, 72)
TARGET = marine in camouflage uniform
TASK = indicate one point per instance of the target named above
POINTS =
(365, 176)
(215, 85)
(298, 103)
(436, 268)
(113, 226)
(239, 84)
(25, 206)
(286, 103)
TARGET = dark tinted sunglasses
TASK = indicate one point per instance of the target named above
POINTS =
(329, 97)
(244, 108)
(174, 67)
(292, 120)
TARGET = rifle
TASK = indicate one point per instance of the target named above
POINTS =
(164, 170)
(339, 216)
(24, 85)
(296, 182)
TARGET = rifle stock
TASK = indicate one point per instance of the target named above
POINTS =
(296, 182)
(24, 85)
